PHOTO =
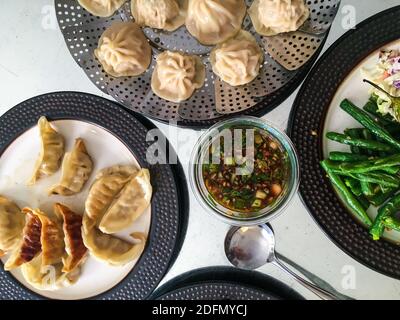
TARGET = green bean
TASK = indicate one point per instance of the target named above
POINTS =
(354, 133)
(367, 188)
(366, 166)
(346, 157)
(387, 210)
(377, 177)
(362, 117)
(364, 202)
(367, 135)
(348, 196)
(380, 178)
(391, 170)
(372, 108)
(354, 185)
(362, 143)
(381, 197)
(391, 223)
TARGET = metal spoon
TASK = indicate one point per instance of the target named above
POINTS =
(252, 247)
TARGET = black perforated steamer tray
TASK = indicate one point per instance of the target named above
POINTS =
(308, 117)
(224, 283)
(287, 59)
(169, 204)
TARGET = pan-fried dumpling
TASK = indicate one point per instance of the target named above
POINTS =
(123, 50)
(45, 272)
(214, 21)
(176, 76)
(101, 8)
(271, 17)
(167, 15)
(76, 169)
(108, 248)
(110, 185)
(47, 277)
(29, 246)
(238, 60)
(51, 153)
(74, 246)
(51, 238)
(109, 182)
(12, 222)
(130, 203)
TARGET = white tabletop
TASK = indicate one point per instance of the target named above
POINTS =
(35, 60)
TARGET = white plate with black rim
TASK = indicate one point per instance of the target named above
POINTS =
(336, 76)
(112, 136)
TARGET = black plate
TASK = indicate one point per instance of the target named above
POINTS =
(308, 116)
(224, 283)
(170, 197)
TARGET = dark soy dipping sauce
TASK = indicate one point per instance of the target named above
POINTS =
(253, 191)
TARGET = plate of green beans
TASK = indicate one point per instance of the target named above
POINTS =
(367, 176)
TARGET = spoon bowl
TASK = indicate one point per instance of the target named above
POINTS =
(251, 247)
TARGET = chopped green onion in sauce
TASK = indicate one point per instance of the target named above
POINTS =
(252, 190)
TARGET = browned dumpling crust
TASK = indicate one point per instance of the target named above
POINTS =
(30, 244)
(74, 246)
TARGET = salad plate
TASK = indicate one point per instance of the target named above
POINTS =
(334, 86)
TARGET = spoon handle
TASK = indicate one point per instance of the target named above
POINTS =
(323, 294)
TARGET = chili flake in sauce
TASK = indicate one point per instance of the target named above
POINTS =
(252, 192)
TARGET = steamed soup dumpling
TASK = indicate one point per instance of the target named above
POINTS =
(238, 60)
(271, 17)
(101, 8)
(214, 21)
(123, 50)
(167, 15)
(176, 76)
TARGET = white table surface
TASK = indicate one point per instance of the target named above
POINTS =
(35, 60)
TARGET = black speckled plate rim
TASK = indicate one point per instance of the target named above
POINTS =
(176, 171)
(231, 275)
(308, 90)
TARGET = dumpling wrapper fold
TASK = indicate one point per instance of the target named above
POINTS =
(30, 245)
(75, 248)
(76, 167)
(12, 222)
(51, 152)
(102, 8)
